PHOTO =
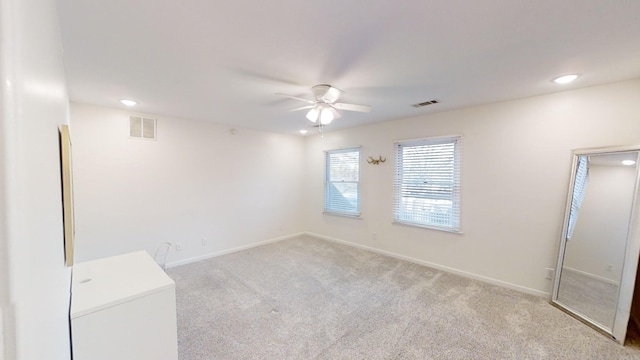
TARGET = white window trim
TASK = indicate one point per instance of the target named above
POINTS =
(343, 214)
(429, 227)
(353, 215)
(457, 190)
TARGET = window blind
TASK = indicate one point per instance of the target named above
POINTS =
(579, 189)
(342, 178)
(427, 183)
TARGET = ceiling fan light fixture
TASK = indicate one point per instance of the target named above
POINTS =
(326, 116)
(312, 115)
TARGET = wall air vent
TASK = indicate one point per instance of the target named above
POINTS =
(142, 128)
(430, 102)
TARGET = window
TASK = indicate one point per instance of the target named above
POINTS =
(427, 183)
(341, 194)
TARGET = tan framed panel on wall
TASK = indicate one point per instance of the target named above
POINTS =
(67, 193)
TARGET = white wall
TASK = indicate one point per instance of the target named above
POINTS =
(600, 235)
(515, 174)
(34, 282)
(196, 180)
(134, 194)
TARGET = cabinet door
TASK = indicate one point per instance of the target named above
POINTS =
(144, 328)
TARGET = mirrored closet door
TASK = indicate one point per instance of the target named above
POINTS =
(599, 247)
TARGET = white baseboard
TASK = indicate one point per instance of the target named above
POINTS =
(229, 251)
(437, 266)
(592, 276)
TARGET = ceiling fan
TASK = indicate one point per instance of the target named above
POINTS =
(325, 107)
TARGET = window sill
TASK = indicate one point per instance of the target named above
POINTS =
(351, 216)
(451, 231)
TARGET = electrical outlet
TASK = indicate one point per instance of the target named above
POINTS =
(374, 236)
(178, 246)
(549, 273)
(203, 241)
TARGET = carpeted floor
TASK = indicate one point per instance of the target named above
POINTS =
(306, 298)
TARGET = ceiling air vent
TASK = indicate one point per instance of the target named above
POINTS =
(430, 102)
(142, 128)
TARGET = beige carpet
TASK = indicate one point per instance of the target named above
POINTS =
(306, 298)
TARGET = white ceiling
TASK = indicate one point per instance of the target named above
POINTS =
(614, 159)
(223, 61)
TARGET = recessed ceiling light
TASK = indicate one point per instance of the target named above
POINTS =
(128, 102)
(628, 162)
(303, 132)
(565, 79)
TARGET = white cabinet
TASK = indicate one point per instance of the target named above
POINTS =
(123, 307)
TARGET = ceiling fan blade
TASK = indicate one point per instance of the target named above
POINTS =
(336, 114)
(297, 98)
(331, 95)
(302, 108)
(352, 107)
(326, 93)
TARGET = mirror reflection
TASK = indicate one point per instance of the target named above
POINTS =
(596, 235)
